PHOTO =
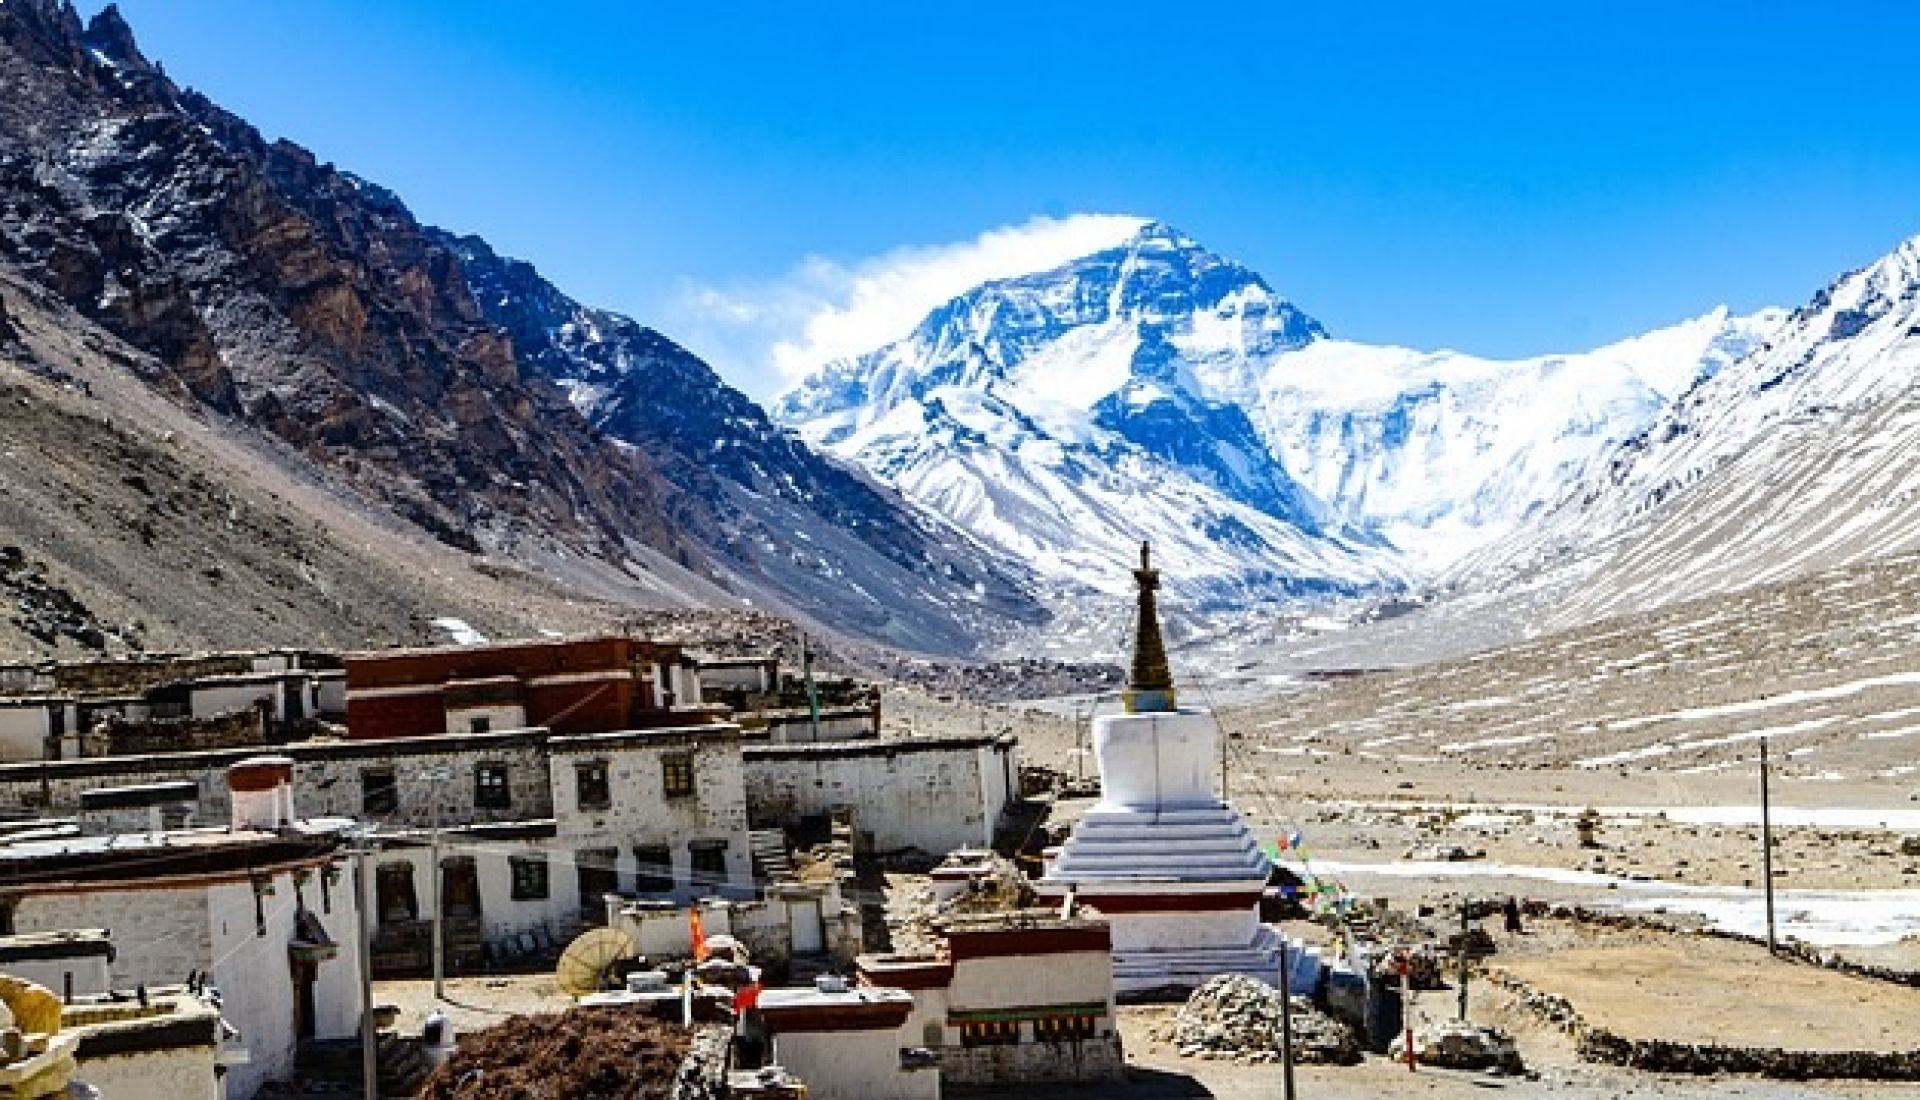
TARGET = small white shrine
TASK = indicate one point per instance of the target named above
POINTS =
(1172, 867)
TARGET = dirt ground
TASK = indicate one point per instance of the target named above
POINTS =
(1698, 990)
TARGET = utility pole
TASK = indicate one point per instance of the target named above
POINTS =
(813, 693)
(369, 1042)
(1286, 1018)
(1465, 925)
(1766, 843)
(1079, 746)
(435, 777)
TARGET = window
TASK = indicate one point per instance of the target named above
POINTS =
(590, 783)
(677, 773)
(480, 723)
(394, 899)
(599, 876)
(529, 877)
(379, 792)
(490, 790)
(653, 872)
(709, 863)
(1063, 1029)
(989, 1033)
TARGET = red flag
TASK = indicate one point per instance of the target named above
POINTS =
(699, 935)
(746, 997)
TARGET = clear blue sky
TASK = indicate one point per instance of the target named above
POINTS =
(1500, 178)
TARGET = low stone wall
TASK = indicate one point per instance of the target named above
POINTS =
(1597, 1044)
(116, 736)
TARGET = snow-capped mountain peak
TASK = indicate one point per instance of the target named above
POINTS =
(1158, 389)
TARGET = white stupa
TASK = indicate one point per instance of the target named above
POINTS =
(1175, 869)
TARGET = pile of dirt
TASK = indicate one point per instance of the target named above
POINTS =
(581, 1054)
(1237, 1017)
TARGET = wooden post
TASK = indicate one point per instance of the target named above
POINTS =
(1406, 1006)
(1466, 926)
(1286, 1017)
(1766, 844)
(369, 1041)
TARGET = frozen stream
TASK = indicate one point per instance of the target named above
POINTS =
(1828, 918)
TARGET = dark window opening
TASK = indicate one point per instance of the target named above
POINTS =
(529, 877)
(677, 774)
(394, 899)
(653, 873)
(459, 887)
(709, 863)
(591, 784)
(599, 873)
(490, 790)
(480, 723)
(379, 792)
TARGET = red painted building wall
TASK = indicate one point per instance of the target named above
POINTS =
(592, 685)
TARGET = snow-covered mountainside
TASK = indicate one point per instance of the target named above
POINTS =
(1157, 390)
(1057, 417)
(1804, 456)
(1442, 452)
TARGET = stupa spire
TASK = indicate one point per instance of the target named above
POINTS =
(1150, 682)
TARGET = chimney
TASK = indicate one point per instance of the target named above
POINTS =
(262, 791)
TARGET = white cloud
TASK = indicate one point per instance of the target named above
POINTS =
(766, 337)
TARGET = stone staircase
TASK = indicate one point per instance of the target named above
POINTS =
(768, 847)
(333, 1067)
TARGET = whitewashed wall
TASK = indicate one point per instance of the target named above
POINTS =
(855, 1065)
(185, 1073)
(934, 797)
(640, 814)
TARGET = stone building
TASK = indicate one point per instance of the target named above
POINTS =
(258, 907)
(164, 703)
(536, 829)
(931, 793)
(571, 686)
(1013, 997)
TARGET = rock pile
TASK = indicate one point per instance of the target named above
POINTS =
(1236, 1017)
(1454, 1044)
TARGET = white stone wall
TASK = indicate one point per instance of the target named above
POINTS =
(640, 814)
(765, 927)
(838, 725)
(327, 788)
(854, 1065)
(186, 1073)
(23, 731)
(159, 935)
(162, 934)
(1022, 981)
(334, 788)
(90, 974)
(935, 798)
(501, 914)
(255, 976)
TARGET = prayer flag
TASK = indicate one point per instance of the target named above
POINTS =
(699, 934)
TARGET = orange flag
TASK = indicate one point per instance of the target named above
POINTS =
(699, 935)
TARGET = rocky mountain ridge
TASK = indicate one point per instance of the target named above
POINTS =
(281, 296)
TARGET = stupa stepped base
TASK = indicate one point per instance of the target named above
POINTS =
(1193, 844)
(1151, 971)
